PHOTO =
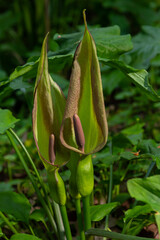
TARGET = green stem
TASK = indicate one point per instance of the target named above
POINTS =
(59, 221)
(110, 187)
(86, 212)
(79, 218)
(66, 222)
(5, 237)
(109, 195)
(113, 235)
(53, 224)
(33, 166)
(31, 229)
(12, 228)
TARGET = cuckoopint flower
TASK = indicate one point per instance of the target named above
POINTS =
(70, 131)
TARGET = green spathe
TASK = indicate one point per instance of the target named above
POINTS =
(85, 99)
(48, 110)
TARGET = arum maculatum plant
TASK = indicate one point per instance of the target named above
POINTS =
(69, 131)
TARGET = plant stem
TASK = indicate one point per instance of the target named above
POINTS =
(86, 212)
(59, 221)
(151, 166)
(113, 235)
(12, 228)
(109, 195)
(53, 224)
(5, 237)
(79, 218)
(33, 166)
(110, 186)
(66, 222)
(31, 229)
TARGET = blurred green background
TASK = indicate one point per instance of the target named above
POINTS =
(24, 23)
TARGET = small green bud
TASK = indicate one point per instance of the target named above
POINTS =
(57, 187)
(85, 176)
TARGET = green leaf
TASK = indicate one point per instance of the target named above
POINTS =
(7, 120)
(106, 158)
(38, 215)
(134, 133)
(113, 235)
(98, 212)
(16, 205)
(8, 186)
(108, 40)
(23, 236)
(157, 217)
(150, 148)
(85, 99)
(19, 83)
(127, 155)
(146, 190)
(136, 211)
(146, 46)
(138, 77)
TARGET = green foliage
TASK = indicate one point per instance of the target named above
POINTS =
(23, 236)
(98, 212)
(146, 190)
(16, 205)
(7, 120)
(132, 118)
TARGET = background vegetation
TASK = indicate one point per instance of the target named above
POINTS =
(133, 119)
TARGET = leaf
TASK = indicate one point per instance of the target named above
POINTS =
(138, 77)
(134, 133)
(16, 205)
(157, 217)
(146, 46)
(108, 40)
(7, 120)
(98, 212)
(7, 186)
(150, 148)
(38, 215)
(127, 155)
(19, 83)
(105, 158)
(48, 109)
(146, 190)
(23, 236)
(85, 99)
(136, 211)
(113, 235)
(121, 198)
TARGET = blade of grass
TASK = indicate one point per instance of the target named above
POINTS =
(55, 206)
(40, 197)
(33, 166)
(8, 223)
